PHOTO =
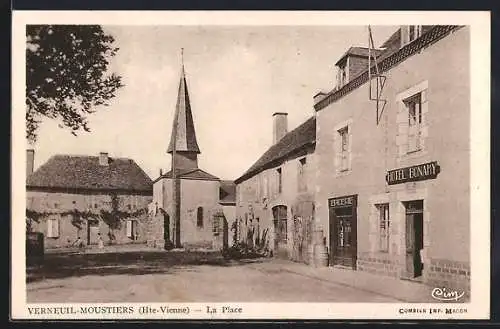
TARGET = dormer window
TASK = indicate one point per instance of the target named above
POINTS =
(342, 74)
(410, 33)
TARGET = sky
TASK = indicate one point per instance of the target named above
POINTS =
(237, 78)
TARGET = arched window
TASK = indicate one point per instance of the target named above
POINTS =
(199, 217)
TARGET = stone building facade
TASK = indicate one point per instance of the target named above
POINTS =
(392, 185)
(275, 197)
(87, 196)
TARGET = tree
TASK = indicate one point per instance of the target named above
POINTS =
(67, 75)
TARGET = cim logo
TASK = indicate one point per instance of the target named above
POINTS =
(444, 294)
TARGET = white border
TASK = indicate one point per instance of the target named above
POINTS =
(480, 146)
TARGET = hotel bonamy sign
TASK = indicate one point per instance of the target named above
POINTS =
(415, 173)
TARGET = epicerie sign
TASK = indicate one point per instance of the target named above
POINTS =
(346, 201)
(419, 172)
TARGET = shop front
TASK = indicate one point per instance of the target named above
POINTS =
(343, 230)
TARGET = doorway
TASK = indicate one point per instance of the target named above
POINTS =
(280, 232)
(92, 231)
(343, 231)
(414, 237)
(166, 230)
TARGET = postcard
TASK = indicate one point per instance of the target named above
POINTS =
(250, 165)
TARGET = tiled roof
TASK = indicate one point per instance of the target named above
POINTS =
(297, 139)
(430, 36)
(190, 174)
(227, 192)
(358, 51)
(85, 172)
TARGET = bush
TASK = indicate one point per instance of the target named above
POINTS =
(241, 250)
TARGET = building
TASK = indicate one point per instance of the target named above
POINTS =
(392, 179)
(203, 203)
(87, 196)
(275, 196)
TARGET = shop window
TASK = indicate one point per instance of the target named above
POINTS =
(53, 228)
(301, 179)
(384, 226)
(199, 217)
(414, 107)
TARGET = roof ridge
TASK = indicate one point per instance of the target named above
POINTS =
(88, 156)
(435, 34)
(273, 152)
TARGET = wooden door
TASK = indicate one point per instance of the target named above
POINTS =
(414, 238)
(343, 231)
(280, 231)
(92, 232)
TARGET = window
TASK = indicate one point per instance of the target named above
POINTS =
(414, 32)
(414, 107)
(301, 179)
(263, 187)
(344, 148)
(384, 223)
(131, 225)
(199, 217)
(217, 223)
(280, 180)
(53, 228)
(410, 33)
(342, 74)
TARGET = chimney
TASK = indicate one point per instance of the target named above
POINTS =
(161, 172)
(103, 159)
(30, 161)
(280, 126)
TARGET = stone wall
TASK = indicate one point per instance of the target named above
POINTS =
(59, 206)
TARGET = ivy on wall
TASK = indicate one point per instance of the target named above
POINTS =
(113, 218)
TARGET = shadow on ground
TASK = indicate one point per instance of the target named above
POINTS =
(62, 265)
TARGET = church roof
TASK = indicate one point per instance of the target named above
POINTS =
(85, 172)
(183, 132)
(195, 173)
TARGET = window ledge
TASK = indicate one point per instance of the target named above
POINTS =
(343, 172)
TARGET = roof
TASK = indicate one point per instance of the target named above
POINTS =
(85, 172)
(297, 139)
(195, 173)
(227, 192)
(390, 59)
(358, 51)
(183, 126)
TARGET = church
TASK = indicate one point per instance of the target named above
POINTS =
(191, 208)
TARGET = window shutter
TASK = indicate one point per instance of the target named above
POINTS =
(129, 228)
(337, 150)
(55, 226)
(49, 228)
(349, 147)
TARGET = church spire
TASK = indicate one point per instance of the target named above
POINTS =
(183, 132)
